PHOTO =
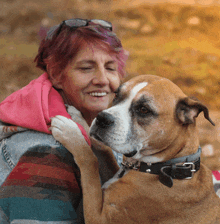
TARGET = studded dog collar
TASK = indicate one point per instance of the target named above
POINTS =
(177, 168)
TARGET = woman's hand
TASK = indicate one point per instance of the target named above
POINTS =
(69, 135)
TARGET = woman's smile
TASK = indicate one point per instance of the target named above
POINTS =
(98, 94)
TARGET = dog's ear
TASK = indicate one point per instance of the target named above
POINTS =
(188, 109)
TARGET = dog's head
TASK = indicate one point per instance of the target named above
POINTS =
(148, 115)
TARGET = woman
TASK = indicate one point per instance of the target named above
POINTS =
(84, 62)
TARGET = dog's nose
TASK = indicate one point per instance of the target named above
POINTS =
(104, 120)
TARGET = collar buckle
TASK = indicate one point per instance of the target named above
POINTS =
(193, 170)
(129, 165)
(125, 165)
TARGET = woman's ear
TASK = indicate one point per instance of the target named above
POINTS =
(56, 80)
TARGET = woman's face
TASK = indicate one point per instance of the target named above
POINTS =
(90, 81)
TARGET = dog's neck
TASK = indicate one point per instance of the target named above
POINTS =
(176, 168)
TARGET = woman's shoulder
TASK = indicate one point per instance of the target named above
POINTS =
(19, 143)
(35, 142)
(30, 138)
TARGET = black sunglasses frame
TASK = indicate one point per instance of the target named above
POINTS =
(76, 23)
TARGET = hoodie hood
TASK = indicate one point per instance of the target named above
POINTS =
(32, 107)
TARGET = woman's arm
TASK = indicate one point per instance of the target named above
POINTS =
(44, 184)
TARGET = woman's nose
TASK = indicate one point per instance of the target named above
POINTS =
(100, 77)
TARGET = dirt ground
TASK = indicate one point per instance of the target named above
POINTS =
(179, 42)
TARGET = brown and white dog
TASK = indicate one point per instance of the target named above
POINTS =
(152, 122)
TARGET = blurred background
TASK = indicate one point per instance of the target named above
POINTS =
(176, 39)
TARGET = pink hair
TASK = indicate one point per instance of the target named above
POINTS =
(56, 53)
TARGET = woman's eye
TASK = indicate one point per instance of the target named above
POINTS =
(111, 69)
(85, 68)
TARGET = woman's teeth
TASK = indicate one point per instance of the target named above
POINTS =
(98, 94)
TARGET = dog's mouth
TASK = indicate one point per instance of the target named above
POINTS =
(130, 154)
(96, 137)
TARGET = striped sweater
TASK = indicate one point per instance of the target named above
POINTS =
(43, 187)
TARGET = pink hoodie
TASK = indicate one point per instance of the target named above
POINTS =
(32, 106)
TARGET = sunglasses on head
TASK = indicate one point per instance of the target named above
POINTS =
(76, 23)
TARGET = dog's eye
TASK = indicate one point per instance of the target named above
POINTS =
(116, 94)
(116, 98)
(143, 110)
